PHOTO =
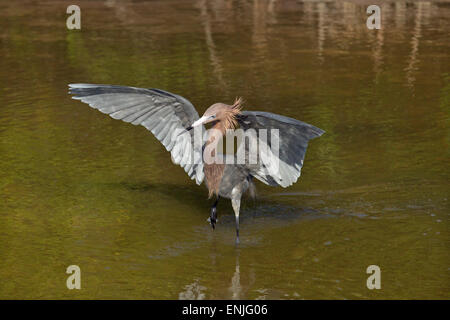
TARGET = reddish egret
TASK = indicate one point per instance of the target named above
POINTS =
(165, 113)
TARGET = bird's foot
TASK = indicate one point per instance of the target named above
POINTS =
(213, 216)
(212, 221)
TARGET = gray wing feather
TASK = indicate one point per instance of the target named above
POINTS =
(292, 141)
(163, 113)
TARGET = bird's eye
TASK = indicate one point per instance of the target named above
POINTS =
(213, 116)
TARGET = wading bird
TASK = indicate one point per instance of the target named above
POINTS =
(171, 119)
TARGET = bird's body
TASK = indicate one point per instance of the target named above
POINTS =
(278, 157)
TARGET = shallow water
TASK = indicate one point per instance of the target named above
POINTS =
(77, 187)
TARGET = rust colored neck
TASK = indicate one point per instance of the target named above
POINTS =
(214, 171)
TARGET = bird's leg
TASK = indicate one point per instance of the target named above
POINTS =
(236, 203)
(213, 216)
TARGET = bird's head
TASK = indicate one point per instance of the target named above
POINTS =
(221, 112)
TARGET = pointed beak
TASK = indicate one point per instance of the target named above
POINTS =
(195, 124)
(200, 121)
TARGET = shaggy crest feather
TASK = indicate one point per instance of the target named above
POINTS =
(232, 112)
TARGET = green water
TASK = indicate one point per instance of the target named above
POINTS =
(79, 188)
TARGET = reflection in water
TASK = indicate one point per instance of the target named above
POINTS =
(400, 14)
(121, 10)
(235, 287)
(413, 60)
(192, 291)
(195, 291)
(215, 60)
(79, 188)
(260, 11)
(321, 29)
(377, 47)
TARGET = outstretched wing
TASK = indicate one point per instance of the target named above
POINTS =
(165, 114)
(281, 155)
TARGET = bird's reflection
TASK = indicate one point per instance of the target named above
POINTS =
(235, 287)
(193, 291)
